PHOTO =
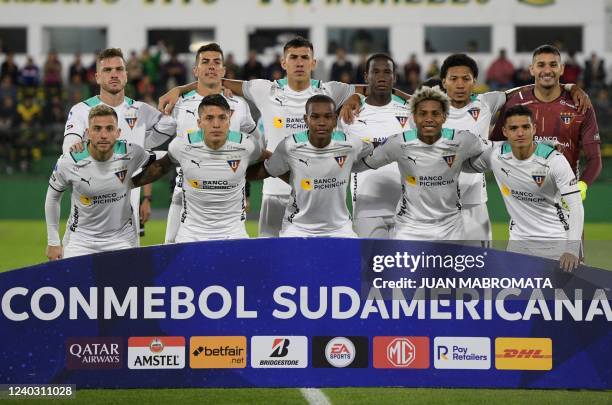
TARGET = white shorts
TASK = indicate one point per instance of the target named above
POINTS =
(271, 214)
(237, 232)
(76, 244)
(450, 230)
(375, 227)
(477, 224)
(547, 249)
(292, 231)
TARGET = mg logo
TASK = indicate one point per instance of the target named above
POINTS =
(401, 352)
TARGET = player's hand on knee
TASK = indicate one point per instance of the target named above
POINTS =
(54, 252)
(77, 147)
(350, 108)
(167, 101)
(568, 262)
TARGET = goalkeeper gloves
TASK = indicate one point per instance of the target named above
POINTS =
(582, 186)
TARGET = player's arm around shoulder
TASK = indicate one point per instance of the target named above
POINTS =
(154, 169)
(389, 151)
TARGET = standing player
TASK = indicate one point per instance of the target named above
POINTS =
(209, 69)
(429, 160)
(213, 160)
(101, 215)
(533, 178)
(281, 103)
(319, 163)
(556, 116)
(140, 123)
(376, 193)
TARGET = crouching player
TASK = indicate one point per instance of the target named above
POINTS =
(536, 182)
(101, 216)
(319, 163)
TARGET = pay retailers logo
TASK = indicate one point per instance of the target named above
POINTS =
(472, 353)
(279, 352)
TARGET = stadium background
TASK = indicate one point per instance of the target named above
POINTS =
(41, 42)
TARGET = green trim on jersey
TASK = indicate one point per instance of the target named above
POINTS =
(301, 137)
(410, 135)
(189, 94)
(128, 101)
(93, 101)
(338, 136)
(398, 99)
(544, 151)
(473, 97)
(120, 147)
(506, 148)
(78, 156)
(448, 133)
(234, 136)
(284, 82)
(196, 136)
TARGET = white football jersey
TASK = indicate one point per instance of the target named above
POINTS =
(376, 193)
(213, 185)
(319, 179)
(282, 110)
(430, 195)
(531, 189)
(475, 117)
(100, 203)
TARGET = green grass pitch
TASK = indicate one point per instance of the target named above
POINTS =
(22, 243)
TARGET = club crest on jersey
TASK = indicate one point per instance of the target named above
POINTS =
(566, 117)
(474, 112)
(402, 120)
(131, 117)
(233, 164)
(449, 159)
(539, 179)
(340, 160)
(121, 175)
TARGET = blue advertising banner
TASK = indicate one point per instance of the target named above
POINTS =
(306, 313)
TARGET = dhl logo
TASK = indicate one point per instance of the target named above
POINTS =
(523, 354)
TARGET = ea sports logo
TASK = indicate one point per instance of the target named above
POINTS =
(401, 352)
(340, 352)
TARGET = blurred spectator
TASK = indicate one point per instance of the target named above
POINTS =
(412, 66)
(9, 68)
(274, 71)
(150, 64)
(522, 77)
(91, 76)
(413, 81)
(361, 69)
(603, 108)
(252, 69)
(594, 73)
(52, 73)
(77, 89)
(174, 73)
(572, 71)
(8, 133)
(54, 118)
(145, 88)
(30, 73)
(433, 69)
(28, 111)
(77, 68)
(341, 68)
(232, 70)
(134, 69)
(8, 89)
(500, 73)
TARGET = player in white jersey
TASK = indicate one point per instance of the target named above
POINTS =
(535, 181)
(429, 160)
(140, 123)
(214, 162)
(319, 163)
(209, 69)
(101, 217)
(376, 193)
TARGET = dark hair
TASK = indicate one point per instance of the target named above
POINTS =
(546, 49)
(109, 53)
(320, 98)
(298, 42)
(212, 47)
(432, 82)
(518, 110)
(379, 56)
(216, 100)
(458, 59)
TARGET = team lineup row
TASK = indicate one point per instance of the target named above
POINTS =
(432, 149)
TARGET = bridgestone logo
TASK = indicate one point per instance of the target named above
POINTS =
(278, 363)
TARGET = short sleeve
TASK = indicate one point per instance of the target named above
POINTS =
(256, 149)
(339, 91)
(58, 181)
(494, 100)
(247, 124)
(278, 164)
(76, 124)
(256, 90)
(563, 175)
(174, 150)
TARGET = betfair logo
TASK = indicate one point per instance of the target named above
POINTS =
(411, 180)
(85, 200)
(306, 184)
(278, 122)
